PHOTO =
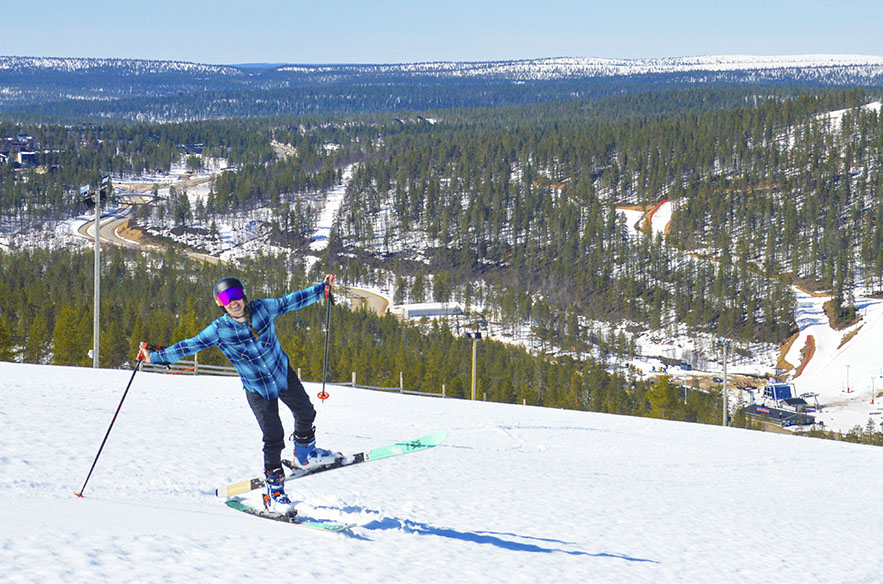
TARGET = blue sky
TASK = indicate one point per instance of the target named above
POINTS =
(395, 31)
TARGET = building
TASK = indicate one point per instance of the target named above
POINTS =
(26, 158)
(428, 310)
(779, 416)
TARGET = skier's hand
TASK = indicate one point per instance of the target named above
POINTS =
(329, 284)
(143, 353)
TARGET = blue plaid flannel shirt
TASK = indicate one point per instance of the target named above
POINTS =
(260, 362)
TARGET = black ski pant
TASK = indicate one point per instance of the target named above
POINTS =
(267, 413)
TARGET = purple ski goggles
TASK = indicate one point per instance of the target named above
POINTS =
(227, 296)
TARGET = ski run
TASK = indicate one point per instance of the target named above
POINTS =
(515, 494)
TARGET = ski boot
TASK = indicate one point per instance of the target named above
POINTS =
(275, 499)
(307, 456)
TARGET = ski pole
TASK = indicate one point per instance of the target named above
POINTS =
(323, 395)
(137, 365)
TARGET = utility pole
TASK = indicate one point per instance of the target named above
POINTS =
(726, 345)
(96, 301)
(475, 336)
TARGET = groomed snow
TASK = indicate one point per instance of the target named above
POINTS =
(333, 202)
(517, 494)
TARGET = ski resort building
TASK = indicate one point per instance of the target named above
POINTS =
(779, 405)
(428, 310)
(778, 393)
(778, 416)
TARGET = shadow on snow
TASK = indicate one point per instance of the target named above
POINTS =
(506, 541)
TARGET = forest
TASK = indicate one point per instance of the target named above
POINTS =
(46, 305)
(511, 209)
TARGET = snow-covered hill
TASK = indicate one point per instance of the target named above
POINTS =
(840, 370)
(176, 91)
(134, 66)
(527, 69)
(816, 69)
(517, 494)
(808, 66)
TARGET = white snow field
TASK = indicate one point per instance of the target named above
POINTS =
(516, 494)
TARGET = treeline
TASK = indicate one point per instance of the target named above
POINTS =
(870, 433)
(46, 317)
(280, 96)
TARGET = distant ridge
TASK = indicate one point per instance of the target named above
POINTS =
(152, 90)
(538, 69)
(257, 65)
(582, 67)
(71, 64)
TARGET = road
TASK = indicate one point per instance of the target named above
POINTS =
(359, 297)
(111, 224)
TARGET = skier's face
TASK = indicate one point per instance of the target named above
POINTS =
(236, 308)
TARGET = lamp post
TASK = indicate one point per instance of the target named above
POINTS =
(475, 336)
(94, 200)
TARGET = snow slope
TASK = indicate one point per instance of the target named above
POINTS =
(845, 375)
(333, 202)
(517, 494)
(845, 369)
(661, 217)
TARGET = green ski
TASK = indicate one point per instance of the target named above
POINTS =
(397, 449)
(240, 505)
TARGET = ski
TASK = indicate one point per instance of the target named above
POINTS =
(397, 449)
(329, 526)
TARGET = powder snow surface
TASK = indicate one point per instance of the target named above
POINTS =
(516, 494)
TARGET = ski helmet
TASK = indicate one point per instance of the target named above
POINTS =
(224, 285)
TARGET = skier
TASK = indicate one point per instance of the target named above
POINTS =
(246, 335)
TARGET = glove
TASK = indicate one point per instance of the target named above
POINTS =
(143, 353)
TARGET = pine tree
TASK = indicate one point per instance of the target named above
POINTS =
(6, 348)
(70, 343)
(663, 399)
(36, 347)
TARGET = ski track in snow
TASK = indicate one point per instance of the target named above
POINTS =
(516, 494)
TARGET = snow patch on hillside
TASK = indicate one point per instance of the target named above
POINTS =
(845, 369)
